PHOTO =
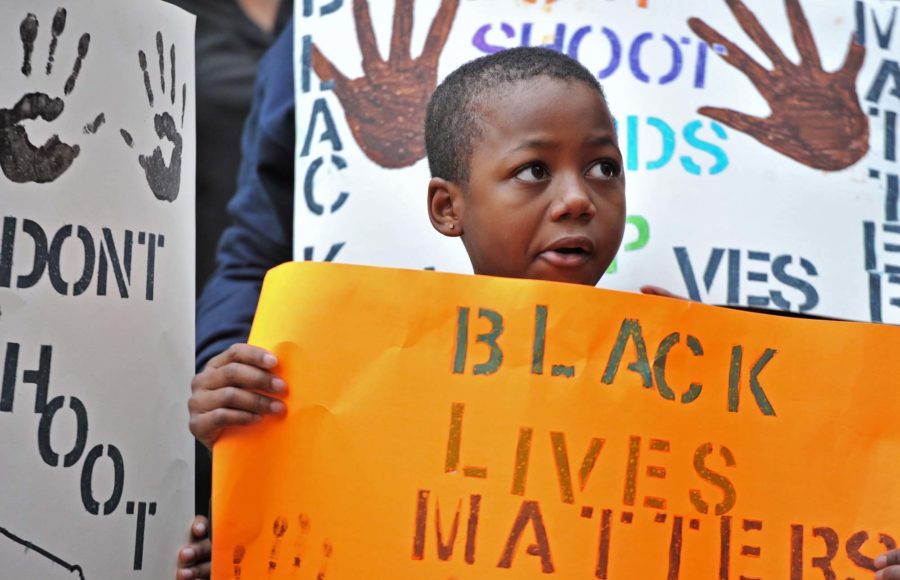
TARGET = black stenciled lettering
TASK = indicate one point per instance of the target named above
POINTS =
(796, 552)
(675, 545)
(454, 438)
(832, 544)
(153, 243)
(40, 378)
(779, 270)
(724, 547)
(446, 541)
(333, 251)
(418, 552)
(603, 546)
(630, 330)
(321, 110)
(563, 469)
(889, 70)
(462, 340)
(659, 368)
(109, 255)
(49, 456)
(55, 270)
(10, 374)
(723, 483)
(309, 186)
(41, 254)
(7, 245)
(445, 548)
(657, 472)
(523, 455)
(495, 359)
(144, 509)
(854, 546)
(634, 455)
(734, 377)
(87, 477)
(472, 527)
(687, 271)
(540, 338)
(529, 513)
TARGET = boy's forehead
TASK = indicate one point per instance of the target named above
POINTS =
(539, 102)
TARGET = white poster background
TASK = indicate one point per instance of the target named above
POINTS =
(761, 207)
(128, 361)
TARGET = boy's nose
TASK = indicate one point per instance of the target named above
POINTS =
(574, 202)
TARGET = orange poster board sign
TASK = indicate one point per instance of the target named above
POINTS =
(443, 426)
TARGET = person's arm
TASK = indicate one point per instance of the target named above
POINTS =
(260, 236)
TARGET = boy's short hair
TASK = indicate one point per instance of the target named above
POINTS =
(453, 123)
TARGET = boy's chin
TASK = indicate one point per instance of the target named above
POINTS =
(568, 276)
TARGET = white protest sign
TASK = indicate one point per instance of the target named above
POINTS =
(788, 202)
(96, 287)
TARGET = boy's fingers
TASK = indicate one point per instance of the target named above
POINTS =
(657, 291)
(200, 527)
(195, 553)
(244, 353)
(199, 572)
(237, 399)
(245, 376)
(892, 573)
(207, 426)
(891, 558)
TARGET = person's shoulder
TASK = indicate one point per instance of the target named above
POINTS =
(275, 77)
(278, 62)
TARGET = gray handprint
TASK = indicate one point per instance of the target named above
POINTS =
(20, 160)
(164, 179)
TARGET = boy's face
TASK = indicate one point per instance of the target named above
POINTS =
(546, 192)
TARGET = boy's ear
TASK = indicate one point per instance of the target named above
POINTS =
(445, 206)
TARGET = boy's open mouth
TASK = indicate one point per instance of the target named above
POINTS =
(568, 251)
(571, 250)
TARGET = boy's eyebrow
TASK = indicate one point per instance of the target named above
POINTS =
(595, 141)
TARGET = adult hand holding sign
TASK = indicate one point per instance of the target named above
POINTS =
(386, 107)
(816, 118)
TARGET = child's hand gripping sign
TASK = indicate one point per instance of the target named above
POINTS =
(444, 426)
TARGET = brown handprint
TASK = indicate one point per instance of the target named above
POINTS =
(385, 108)
(816, 118)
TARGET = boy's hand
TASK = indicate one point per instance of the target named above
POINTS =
(658, 291)
(194, 557)
(888, 566)
(222, 394)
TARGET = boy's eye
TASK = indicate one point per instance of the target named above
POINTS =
(532, 173)
(605, 169)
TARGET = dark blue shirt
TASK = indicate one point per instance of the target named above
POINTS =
(262, 211)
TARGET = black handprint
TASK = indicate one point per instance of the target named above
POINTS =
(279, 527)
(164, 180)
(300, 542)
(327, 551)
(20, 160)
(297, 558)
(236, 559)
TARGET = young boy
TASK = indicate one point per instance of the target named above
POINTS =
(526, 170)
